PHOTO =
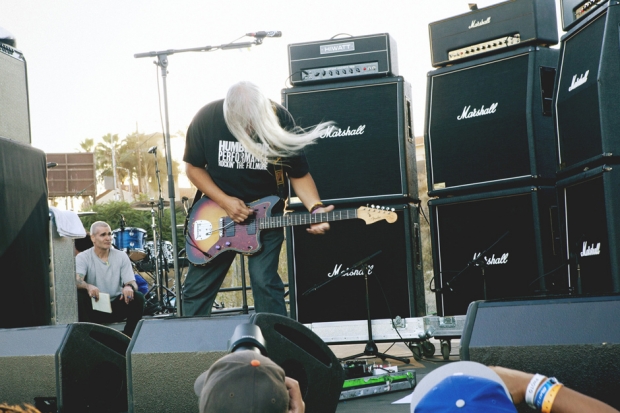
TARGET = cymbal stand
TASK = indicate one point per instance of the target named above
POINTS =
(160, 284)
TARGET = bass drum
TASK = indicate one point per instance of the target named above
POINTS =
(167, 251)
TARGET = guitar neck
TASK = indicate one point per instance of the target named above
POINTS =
(305, 218)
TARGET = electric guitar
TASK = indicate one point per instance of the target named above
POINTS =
(209, 231)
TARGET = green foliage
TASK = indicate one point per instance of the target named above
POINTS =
(110, 212)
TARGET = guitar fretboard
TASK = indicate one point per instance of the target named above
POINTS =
(301, 218)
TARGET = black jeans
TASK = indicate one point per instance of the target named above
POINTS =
(120, 311)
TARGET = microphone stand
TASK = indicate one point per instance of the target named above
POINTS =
(477, 262)
(371, 347)
(162, 63)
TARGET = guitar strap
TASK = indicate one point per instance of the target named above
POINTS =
(277, 171)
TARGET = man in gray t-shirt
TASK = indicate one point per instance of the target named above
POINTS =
(104, 269)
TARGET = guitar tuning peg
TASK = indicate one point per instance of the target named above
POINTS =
(393, 209)
(372, 206)
(383, 207)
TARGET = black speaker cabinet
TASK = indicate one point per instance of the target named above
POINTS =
(24, 235)
(14, 109)
(574, 339)
(495, 245)
(395, 275)
(489, 123)
(304, 357)
(78, 366)
(167, 355)
(91, 369)
(587, 98)
(27, 363)
(369, 154)
(591, 203)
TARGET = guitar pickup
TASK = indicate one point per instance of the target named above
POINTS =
(227, 227)
(251, 225)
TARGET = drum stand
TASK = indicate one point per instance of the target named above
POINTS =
(160, 281)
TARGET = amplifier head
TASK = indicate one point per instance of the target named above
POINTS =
(345, 58)
(492, 29)
(575, 10)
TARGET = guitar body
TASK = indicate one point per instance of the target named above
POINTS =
(210, 231)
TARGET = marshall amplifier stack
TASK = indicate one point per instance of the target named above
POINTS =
(491, 155)
(366, 158)
(587, 101)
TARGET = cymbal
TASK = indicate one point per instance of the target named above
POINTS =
(86, 213)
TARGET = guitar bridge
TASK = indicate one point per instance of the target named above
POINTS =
(227, 227)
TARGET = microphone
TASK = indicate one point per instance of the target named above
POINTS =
(260, 35)
(152, 149)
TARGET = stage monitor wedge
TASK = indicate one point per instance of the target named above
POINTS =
(587, 101)
(489, 123)
(369, 154)
(574, 339)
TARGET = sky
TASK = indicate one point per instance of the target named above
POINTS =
(84, 81)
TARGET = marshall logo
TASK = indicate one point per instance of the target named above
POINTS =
(337, 48)
(590, 250)
(334, 132)
(492, 260)
(578, 81)
(479, 23)
(467, 113)
(356, 272)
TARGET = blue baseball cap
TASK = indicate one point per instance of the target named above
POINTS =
(462, 387)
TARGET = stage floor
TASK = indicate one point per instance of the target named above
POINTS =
(383, 402)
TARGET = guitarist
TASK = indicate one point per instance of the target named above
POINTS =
(231, 146)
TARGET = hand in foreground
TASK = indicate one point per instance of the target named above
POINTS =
(93, 291)
(296, 403)
(236, 209)
(322, 227)
(516, 381)
(127, 294)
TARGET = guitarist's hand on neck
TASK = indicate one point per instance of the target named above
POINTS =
(323, 227)
(235, 208)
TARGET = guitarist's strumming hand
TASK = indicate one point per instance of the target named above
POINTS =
(323, 227)
(236, 209)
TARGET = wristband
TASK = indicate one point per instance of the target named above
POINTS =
(130, 286)
(316, 206)
(550, 398)
(530, 392)
(542, 392)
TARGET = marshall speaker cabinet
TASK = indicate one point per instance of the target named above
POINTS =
(395, 278)
(587, 91)
(591, 202)
(508, 24)
(489, 123)
(495, 245)
(14, 108)
(369, 155)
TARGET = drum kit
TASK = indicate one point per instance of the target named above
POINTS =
(154, 258)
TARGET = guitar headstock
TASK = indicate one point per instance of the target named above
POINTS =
(373, 213)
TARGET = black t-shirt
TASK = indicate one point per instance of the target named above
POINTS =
(210, 145)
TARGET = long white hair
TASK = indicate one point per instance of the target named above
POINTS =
(252, 119)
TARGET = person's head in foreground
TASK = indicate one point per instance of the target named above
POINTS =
(243, 381)
(462, 387)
